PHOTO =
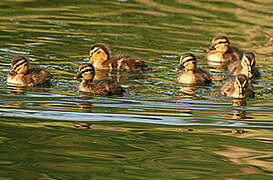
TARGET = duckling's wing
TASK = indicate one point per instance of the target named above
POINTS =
(256, 72)
(127, 62)
(227, 87)
(107, 87)
(235, 67)
(95, 87)
(202, 75)
(236, 53)
(38, 76)
(249, 90)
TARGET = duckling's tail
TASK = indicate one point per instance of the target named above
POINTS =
(144, 67)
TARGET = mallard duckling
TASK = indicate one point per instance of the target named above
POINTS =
(101, 59)
(99, 87)
(221, 51)
(192, 74)
(246, 66)
(22, 75)
(238, 87)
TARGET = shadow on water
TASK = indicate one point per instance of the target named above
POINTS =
(157, 129)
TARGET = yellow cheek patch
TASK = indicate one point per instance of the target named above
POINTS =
(238, 83)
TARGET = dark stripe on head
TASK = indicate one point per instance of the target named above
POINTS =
(17, 59)
(186, 58)
(101, 46)
(17, 62)
(86, 68)
(220, 40)
(251, 57)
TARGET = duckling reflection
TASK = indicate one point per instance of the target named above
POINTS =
(17, 90)
(99, 87)
(221, 51)
(238, 87)
(85, 105)
(246, 66)
(22, 75)
(187, 91)
(82, 125)
(217, 73)
(192, 75)
(239, 114)
(101, 59)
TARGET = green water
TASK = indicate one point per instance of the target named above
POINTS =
(154, 131)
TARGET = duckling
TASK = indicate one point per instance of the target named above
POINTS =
(221, 51)
(101, 59)
(192, 74)
(22, 75)
(246, 66)
(99, 87)
(238, 87)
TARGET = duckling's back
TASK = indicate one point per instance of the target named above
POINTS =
(34, 77)
(229, 90)
(102, 87)
(126, 62)
(236, 68)
(233, 54)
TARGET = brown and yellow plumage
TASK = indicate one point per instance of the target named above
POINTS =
(22, 75)
(192, 74)
(237, 87)
(221, 51)
(99, 87)
(246, 66)
(101, 59)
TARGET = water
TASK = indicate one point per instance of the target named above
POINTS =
(154, 130)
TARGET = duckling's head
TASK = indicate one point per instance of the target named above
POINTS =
(248, 63)
(19, 65)
(98, 53)
(86, 72)
(240, 84)
(187, 62)
(219, 44)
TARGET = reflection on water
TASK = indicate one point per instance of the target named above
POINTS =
(135, 150)
(158, 126)
(248, 156)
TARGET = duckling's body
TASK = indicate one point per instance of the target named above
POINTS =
(101, 59)
(191, 75)
(22, 75)
(198, 77)
(237, 87)
(246, 66)
(101, 87)
(98, 87)
(221, 51)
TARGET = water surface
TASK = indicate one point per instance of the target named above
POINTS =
(158, 129)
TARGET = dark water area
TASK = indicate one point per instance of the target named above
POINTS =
(157, 129)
